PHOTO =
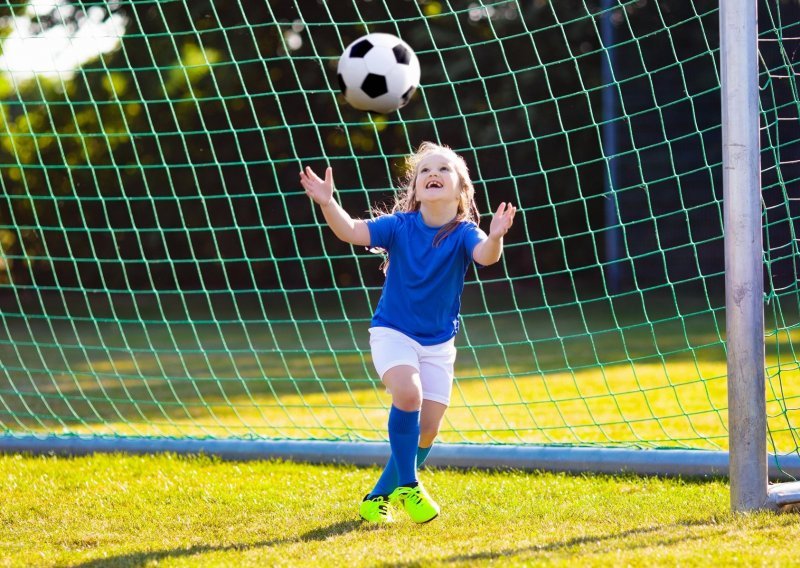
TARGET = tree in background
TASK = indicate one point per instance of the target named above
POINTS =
(171, 160)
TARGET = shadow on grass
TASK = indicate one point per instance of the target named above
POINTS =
(147, 558)
(566, 545)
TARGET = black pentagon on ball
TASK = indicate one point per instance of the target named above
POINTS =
(401, 54)
(407, 96)
(361, 48)
(374, 85)
(342, 86)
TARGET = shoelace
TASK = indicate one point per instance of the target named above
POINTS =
(383, 504)
(413, 494)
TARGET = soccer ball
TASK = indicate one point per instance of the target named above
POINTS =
(378, 73)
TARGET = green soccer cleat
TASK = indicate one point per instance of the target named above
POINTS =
(376, 509)
(417, 503)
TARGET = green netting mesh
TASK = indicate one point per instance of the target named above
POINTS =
(779, 47)
(163, 274)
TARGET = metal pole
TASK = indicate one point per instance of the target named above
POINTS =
(744, 285)
(676, 462)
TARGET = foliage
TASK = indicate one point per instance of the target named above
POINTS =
(203, 116)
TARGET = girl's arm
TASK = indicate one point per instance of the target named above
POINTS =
(353, 231)
(489, 251)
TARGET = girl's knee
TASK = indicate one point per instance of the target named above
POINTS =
(408, 399)
(404, 385)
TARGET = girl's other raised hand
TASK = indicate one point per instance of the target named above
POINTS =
(502, 220)
(318, 189)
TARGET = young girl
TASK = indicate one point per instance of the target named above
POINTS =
(431, 236)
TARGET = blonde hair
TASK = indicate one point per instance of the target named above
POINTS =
(406, 200)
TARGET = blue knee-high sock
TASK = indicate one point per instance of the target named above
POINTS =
(404, 439)
(387, 482)
(422, 455)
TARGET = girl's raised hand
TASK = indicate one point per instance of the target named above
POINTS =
(502, 220)
(320, 190)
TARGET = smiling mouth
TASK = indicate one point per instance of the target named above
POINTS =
(436, 184)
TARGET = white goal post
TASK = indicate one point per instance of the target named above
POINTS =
(744, 280)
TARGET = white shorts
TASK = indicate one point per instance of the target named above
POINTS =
(435, 363)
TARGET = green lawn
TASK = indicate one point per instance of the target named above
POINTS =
(111, 510)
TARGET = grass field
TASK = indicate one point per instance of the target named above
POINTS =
(109, 510)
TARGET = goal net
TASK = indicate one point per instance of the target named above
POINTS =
(163, 275)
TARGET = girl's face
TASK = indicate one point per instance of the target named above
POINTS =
(437, 180)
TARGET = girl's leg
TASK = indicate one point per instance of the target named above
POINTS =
(436, 372)
(430, 420)
(431, 416)
(403, 383)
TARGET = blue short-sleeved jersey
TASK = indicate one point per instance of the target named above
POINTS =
(422, 293)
